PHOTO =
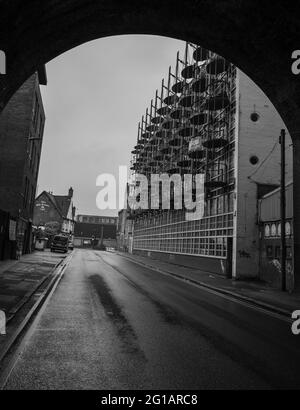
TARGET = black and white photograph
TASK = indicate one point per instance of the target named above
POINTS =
(149, 190)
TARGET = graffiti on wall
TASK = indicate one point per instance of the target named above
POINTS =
(244, 254)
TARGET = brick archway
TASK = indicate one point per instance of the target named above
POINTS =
(257, 36)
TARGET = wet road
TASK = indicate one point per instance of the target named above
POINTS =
(112, 324)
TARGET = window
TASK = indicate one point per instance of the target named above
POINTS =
(267, 231)
(220, 204)
(288, 229)
(174, 234)
(279, 229)
(277, 252)
(273, 230)
(61, 239)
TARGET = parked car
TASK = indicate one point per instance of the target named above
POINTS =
(60, 243)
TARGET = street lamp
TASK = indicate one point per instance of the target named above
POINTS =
(282, 211)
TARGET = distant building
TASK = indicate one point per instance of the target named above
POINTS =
(92, 219)
(55, 213)
(21, 136)
(95, 231)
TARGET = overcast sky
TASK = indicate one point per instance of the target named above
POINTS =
(95, 97)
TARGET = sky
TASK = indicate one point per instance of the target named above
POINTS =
(95, 97)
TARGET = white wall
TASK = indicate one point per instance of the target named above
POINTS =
(254, 138)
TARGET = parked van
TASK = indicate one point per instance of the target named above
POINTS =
(60, 243)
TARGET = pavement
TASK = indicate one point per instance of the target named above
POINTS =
(114, 324)
(20, 279)
(255, 292)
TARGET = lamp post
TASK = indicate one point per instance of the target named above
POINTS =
(282, 211)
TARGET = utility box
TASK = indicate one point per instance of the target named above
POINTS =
(40, 244)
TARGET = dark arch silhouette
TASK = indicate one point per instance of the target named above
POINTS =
(258, 36)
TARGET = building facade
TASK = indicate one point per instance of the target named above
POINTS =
(108, 220)
(92, 231)
(208, 118)
(21, 137)
(55, 213)
(270, 237)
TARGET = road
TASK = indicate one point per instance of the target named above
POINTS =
(112, 324)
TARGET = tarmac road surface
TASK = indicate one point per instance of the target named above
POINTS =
(113, 324)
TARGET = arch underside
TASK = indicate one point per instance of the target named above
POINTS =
(258, 38)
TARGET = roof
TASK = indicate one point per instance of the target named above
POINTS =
(63, 202)
(60, 202)
(276, 190)
(269, 204)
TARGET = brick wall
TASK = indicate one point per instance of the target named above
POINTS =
(19, 157)
(254, 138)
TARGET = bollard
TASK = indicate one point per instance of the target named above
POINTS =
(2, 323)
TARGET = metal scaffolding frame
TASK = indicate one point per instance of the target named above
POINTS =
(190, 129)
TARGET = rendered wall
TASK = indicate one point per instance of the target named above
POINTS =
(254, 139)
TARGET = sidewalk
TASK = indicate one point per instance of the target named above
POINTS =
(19, 279)
(254, 292)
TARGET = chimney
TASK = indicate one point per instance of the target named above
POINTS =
(71, 192)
